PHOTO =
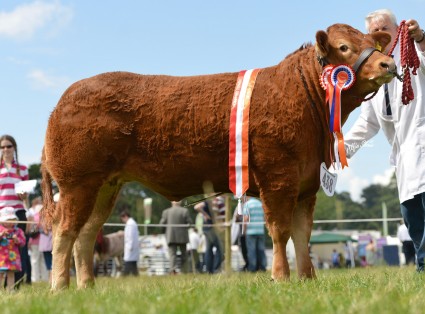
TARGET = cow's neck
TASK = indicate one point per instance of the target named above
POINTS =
(309, 71)
(302, 67)
(351, 99)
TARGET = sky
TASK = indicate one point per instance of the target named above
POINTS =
(46, 45)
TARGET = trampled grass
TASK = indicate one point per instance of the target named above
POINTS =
(372, 290)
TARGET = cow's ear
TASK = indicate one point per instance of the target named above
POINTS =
(382, 39)
(322, 44)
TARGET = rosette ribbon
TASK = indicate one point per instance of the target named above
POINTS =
(334, 80)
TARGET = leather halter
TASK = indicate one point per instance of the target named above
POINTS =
(362, 58)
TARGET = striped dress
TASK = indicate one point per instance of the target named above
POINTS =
(8, 179)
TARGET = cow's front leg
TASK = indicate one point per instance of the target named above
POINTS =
(278, 212)
(302, 224)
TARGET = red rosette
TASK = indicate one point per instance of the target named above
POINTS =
(343, 74)
(325, 77)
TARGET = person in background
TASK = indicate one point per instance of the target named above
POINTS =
(348, 255)
(335, 259)
(38, 267)
(214, 249)
(253, 227)
(239, 238)
(403, 126)
(370, 253)
(11, 239)
(12, 172)
(193, 246)
(219, 208)
(131, 244)
(202, 248)
(177, 236)
(408, 248)
(45, 244)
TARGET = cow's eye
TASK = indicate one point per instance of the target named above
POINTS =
(343, 48)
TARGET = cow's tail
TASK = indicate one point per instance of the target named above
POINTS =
(47, 192)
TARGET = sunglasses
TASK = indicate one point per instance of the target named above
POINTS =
(6, 146)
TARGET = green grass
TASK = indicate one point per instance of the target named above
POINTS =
(372, 290)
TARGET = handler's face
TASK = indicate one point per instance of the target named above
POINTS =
(384, 24)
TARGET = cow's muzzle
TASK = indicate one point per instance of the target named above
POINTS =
(395, 74)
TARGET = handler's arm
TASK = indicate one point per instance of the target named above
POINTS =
(364, 128)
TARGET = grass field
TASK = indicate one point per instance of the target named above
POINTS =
(372, 290)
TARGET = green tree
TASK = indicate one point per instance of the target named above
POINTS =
(341, 206)
(34, 173)
(373, 198)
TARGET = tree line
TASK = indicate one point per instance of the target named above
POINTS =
(341, 206)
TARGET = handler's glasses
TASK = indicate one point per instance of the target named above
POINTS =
(6, 146)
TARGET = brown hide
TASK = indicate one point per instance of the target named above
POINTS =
(171, 134)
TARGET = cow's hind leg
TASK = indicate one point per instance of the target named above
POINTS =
(61, 255)
(302, 224)
(84, 245)
(73, 210)
(278, 211)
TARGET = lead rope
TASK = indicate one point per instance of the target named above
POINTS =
(409, 60)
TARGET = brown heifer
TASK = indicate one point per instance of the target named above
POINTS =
(171, 134)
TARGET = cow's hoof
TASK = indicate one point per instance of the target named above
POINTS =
(59, 285)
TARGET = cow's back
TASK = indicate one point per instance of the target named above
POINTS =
(151, 128)
(171, 133)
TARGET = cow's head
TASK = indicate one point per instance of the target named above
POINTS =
(343, 44)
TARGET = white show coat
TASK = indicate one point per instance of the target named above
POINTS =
(131, 241)
(404, 129)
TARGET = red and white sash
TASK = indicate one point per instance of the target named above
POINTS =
(238, 133)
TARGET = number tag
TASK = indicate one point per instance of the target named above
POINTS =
(327, 180)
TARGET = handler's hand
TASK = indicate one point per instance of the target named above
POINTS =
(414, 30)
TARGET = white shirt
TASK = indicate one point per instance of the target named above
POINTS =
(131, 241)
(194, 240)
(33, 210)
(403, 233)
(404, 129)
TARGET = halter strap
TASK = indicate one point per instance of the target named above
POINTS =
(363, 57)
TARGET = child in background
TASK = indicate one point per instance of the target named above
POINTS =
(11, 238)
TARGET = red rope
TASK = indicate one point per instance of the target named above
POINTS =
(409, 60)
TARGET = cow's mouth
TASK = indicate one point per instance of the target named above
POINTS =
(395, 74)
(386, 77)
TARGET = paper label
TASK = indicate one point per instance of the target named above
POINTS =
(327, 180)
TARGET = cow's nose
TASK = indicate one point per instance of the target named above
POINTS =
(389, 66)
